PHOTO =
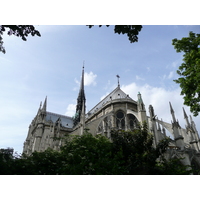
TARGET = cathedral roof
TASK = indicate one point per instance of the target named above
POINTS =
(66, 121)
(116, 94)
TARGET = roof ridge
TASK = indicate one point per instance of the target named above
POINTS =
(110, 94)
(58, 114)
(103, 99)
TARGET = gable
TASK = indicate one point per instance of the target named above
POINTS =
(116, 94)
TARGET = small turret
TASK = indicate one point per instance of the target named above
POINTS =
(172, 112)
(193, 125)
(159, 132)
(186, 119)
(141, 105)
(151, 112)
(39, 109)
(195, 133)
(159, 128)
(163, 129)
(176, 130)
(44, 108)
(141, 109)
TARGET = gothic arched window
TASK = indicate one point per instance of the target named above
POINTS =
(120, 119)
(105, 123)
(100, 128)
(132, 122)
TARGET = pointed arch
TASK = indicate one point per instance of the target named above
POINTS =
(132, 122)
(120, 119)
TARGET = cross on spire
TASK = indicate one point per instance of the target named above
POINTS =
(118, 80)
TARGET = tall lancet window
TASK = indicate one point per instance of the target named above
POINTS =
(120, 119)
(132, 122)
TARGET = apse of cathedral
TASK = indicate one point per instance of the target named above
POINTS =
(116, 111)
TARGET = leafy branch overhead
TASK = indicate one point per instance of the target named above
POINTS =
(18, 30)
(189, 71)
(132, 31)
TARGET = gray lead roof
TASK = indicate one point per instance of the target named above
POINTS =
(66, 121)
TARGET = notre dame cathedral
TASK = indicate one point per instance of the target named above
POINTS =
(116, 111)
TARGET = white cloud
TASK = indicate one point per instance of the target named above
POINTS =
(78, 85)
(139, 78)
(171, 74)
(159, 98)
(107, 85)
(176, 64)
(71, 109)
(76, 81)
(164, 77)
(89, 79)
(148, 69)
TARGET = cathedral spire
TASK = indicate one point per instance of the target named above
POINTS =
(80, 100)
(81, 95)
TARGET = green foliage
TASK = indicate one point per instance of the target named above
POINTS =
(139, 156)
(18, 30)
(41, 163)
(172, 167)
(189, 71)
(6, 159)
(89, 154)
(132, 31)
(136, 149)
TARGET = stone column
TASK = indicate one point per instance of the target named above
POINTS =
(112, 117)
(126, 122)
(103, 128)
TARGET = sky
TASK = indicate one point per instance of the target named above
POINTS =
(51, 65)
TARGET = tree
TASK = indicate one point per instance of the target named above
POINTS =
(141, 158)
(189, 71)
(18, 30)
(6, 160)
(132, 31)
(138, 154)
(127, 153)
(48, 162)
(90, 155)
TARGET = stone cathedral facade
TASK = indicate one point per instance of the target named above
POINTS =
(116, 111)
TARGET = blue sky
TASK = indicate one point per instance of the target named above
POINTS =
(51, 66)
